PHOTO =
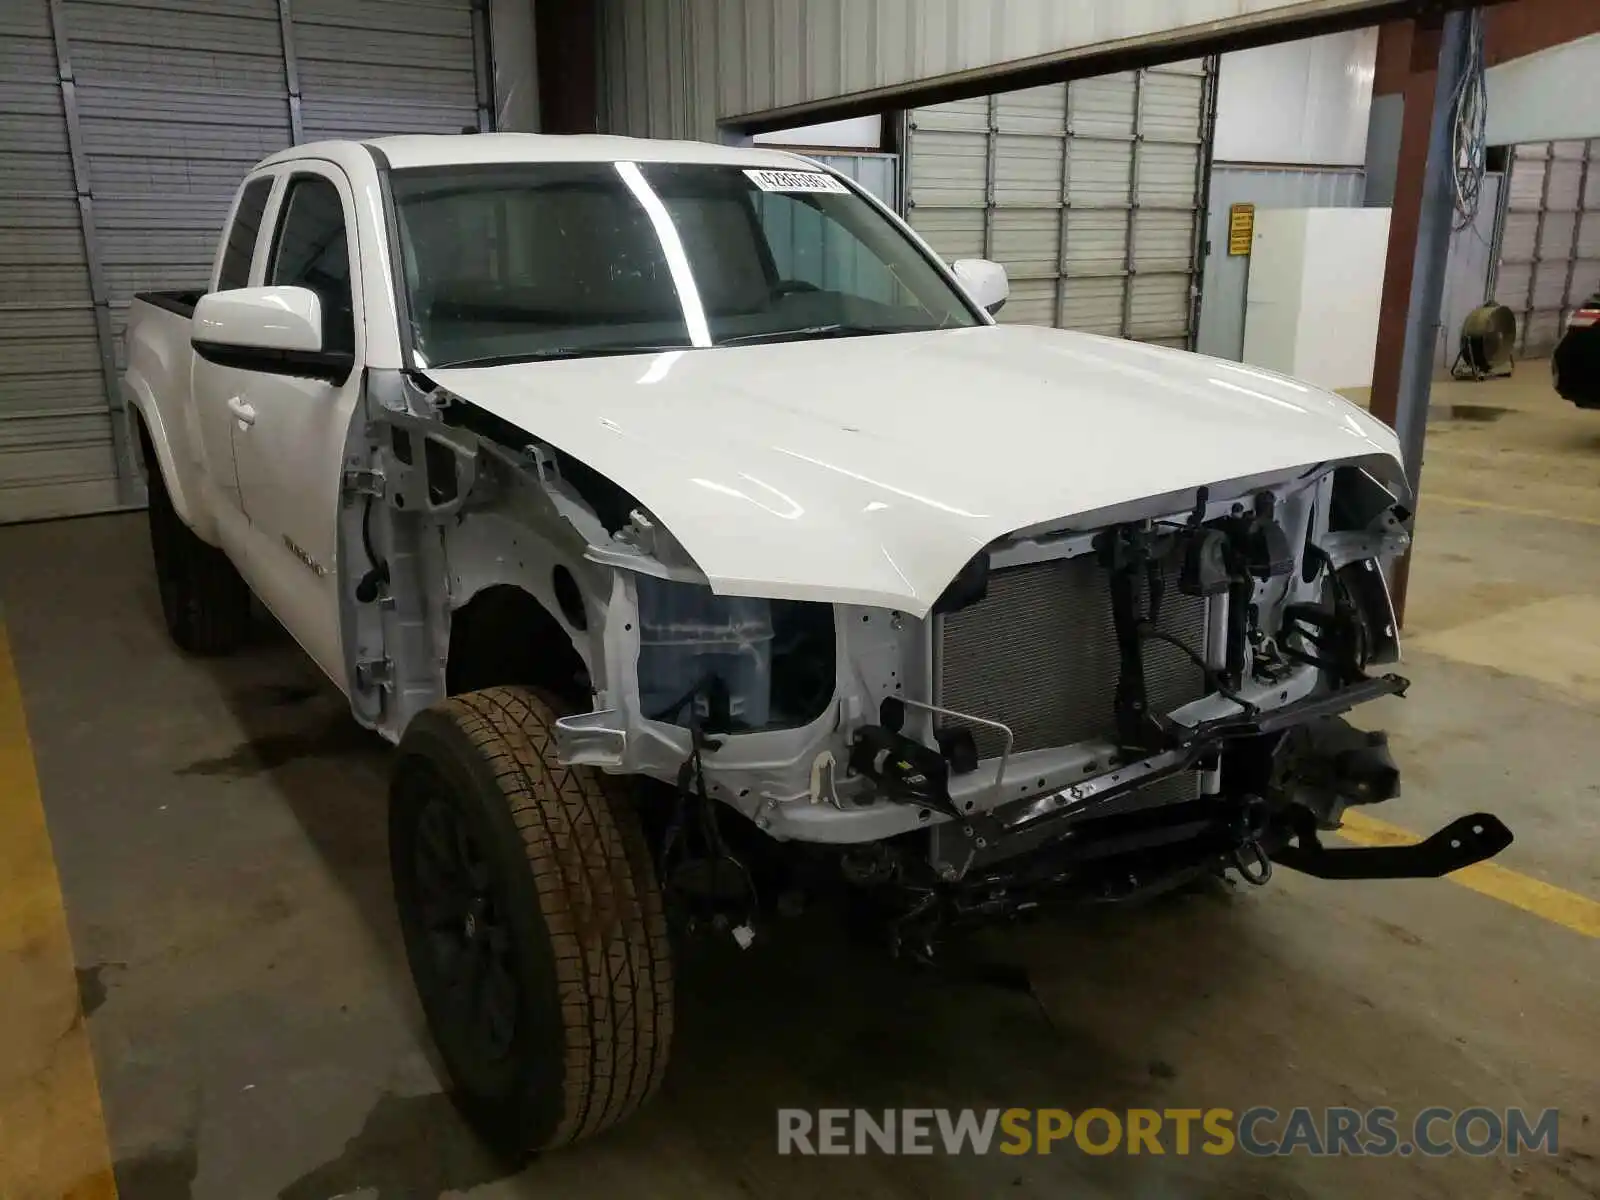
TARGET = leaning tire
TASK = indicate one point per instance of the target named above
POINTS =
(204, 602)
(532, 922)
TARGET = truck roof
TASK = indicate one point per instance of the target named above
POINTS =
(463, 149)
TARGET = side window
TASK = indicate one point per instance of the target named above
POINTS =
(235, 272)
(311, 251)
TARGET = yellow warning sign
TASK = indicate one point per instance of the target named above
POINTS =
(1241, 227)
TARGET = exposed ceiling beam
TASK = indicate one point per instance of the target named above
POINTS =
(1100, 59)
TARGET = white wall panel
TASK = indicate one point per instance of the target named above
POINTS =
(856, 133)
(1307, 102)
(1552, 94)
(1316, 276)
(677, 69)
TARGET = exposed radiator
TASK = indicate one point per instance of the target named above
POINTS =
(1039, 653)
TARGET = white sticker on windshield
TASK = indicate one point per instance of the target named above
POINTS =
(795, 181)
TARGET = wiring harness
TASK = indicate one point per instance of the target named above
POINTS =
(1468, 112)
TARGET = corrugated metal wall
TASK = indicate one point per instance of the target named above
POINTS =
(1088, 192)
(56, 447)
(676, 69)
(1550, 243)
(125, 126)
(878, 173)
(164, 160)
(1223, 288)
(374, 67)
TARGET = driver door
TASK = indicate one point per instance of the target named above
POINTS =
(219, 389)
(289, 443)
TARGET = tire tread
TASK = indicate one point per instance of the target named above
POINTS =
(205, 602)
(600, 904)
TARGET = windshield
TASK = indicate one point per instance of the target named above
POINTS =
(556, 260)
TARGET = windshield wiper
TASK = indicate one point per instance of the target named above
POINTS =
(804, 333)
(808, 332)
(556, 354)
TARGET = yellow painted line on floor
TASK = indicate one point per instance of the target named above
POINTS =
(1577, 913)
(1514, 510)
(52, 1130)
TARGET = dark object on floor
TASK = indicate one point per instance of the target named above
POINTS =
(1575, 365)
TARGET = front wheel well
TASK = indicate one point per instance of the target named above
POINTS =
(505, 637)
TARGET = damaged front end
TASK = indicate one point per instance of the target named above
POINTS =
(1232, 643)
(1103, 705)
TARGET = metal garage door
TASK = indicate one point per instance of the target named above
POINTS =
(125, 126)
(1088, 192)
(1550, 242)
(56, 450)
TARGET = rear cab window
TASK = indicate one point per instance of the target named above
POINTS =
(240, 244)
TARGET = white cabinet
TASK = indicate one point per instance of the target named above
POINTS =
(1316, 277)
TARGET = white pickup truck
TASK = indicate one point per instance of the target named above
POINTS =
(695, 533)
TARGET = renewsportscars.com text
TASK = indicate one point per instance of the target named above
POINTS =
(1260, 1131)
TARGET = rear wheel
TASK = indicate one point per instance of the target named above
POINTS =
(532, 922)
(205, 603)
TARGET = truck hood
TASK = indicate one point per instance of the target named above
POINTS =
(868, 470)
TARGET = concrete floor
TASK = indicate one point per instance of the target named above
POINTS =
(219, 834)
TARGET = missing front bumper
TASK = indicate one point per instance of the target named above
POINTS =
(1286, 773)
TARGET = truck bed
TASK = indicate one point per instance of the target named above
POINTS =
(157, 379)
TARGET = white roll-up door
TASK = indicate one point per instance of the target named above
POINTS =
(125, 127)
(1089, 193)
(1550, 242)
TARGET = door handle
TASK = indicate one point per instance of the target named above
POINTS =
(245, 412)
